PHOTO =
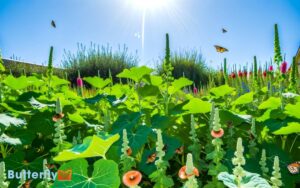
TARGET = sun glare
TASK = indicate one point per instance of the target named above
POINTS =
(149, 4)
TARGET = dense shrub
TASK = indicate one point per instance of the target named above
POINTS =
(191, 64)
(96, 60)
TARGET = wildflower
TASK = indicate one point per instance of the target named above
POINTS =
(240, 74)
(195, 90)
(283, 67)
(265, 73)
(59, 114)
(245, 73)
(57, 117)
(271, 68)
(132, 178)
(233, 75)
(217, 134)
(79, 82)
(183, 175)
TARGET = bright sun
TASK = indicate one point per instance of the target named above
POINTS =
(149, 4)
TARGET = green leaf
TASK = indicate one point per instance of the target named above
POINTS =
(105, 174)
(76, 117)
(97, 82)
(135, 73)
(244, 99)
(9, 140)
(179, 84)
(94, 146)
(156, 80)
(126, 121)
(8, 121)
(292, 127)
(56, 81)
(221, 91)
(293, 110)
(251, 180)
(10, 109)
(138, 138)
(148, 90)
(41, 122)
(196, 105)
(16, 83)
(271, 103)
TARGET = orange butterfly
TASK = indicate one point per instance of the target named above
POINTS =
(220, 49)
(294, 167)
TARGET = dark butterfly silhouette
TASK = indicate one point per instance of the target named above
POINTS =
(224, 30)
(220, 49)
(53, 24)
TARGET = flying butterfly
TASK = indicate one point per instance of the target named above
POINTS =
(294, 167)
(53, 24)
(220, 49)
(151, 158)
(224, 30)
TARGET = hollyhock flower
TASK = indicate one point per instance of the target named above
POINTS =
(132, 178)
(265, 73)
(283, 67)
(57, 117)
(233, 75)
(245, 73)
(217, 134)
(129, 151)
(79, 82)
(195, 90)
(271, 68)
(183, 175)
(240, 74)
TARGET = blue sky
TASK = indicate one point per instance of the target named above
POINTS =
(192, 24)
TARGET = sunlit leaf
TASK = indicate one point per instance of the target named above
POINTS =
(221, 91)
(271, 103)
(293, 110)
(8, 140)
(92, 146)
(292, 127)
(8, 121)
(135, 73)
(244, 99)
(97, 82)
(196, 105)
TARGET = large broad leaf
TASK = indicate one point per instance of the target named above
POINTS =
(17, 111)
(97, 82)
(251, 180)
(94, 146)
(156, 80)
(76, 117)
(148, 90)
(271, 103)
(227, 116)
(196, 105)
(38, 105)
(179, 84)
(135, 73)
(113, 100)
(56, 81)
(138, 138)
(17, 162)
(293, 110)
(244, 99)
(126, 121)
(16, 83)
(41, 122)
(221, 91)
(8, 121)
(105, 175)
(291, 128)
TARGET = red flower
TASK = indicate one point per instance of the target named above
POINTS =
(245, 73)
(240, 74)
(217, 134)
(57, 117)
(183, 175)
(283, 67)
(233, 75)
(265, 73)
(132, 178)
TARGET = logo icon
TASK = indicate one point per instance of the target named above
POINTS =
(64, 175)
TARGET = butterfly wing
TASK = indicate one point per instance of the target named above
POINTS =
(53, 24)
(294, 167)
(224, 30)
(220, 49)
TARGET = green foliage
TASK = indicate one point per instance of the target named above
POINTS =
(105, 173)
(263, 163)
(3, 183)
(92, 146)
(276, 175)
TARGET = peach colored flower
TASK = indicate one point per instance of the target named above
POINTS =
(217, 134)
(132, 178)
(183, 175)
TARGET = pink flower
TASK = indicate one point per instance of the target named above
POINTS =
(217, 134)
(79, 82)
(265, 73)
(195, 90)
(283, 67)
(270, 68)
(240, 74)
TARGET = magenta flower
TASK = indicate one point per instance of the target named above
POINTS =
(195, 90)
(283, 67)
(271, 68)
(79, 82)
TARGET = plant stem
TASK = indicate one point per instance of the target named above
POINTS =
(294, 142)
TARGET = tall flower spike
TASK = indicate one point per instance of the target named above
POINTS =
(3, 183)
(277, 51)
(276, 175)
(125, 144)
(190, 173)
(58, 106)
(263, 163)
(238, 161)
(159, 147)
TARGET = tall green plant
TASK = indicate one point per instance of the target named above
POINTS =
(277, 51)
